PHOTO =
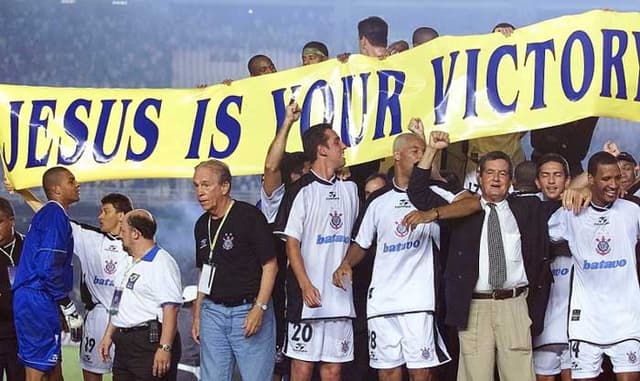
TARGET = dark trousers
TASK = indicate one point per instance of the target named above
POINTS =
(9, 363)
(134, 356)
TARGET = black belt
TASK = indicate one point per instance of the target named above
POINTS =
(141, 327)
(500, 294)
(234, 302)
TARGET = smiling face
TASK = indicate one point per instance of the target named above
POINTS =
(333, 149)
(605, 185)
(495, 180)
(627, 173)
(552, 180)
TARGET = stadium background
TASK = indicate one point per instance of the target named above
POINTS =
(162, 43)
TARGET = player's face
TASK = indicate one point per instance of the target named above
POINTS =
(208, 189)
(310, 59)
(495, 180)
(551, 180)
(334, 149)
(627, 173)
(110, 219)
(7, 225)
(372, 186)
(262, 67)
(69, 188)
(409, 153)
(605, 184)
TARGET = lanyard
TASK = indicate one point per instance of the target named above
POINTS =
(10, 253)
(212, 244)
(126, 272)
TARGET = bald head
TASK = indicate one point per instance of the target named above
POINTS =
(51, 178)
(423, 34)
(142, 220)
(403, 140)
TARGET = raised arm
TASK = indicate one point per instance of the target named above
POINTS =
(272, 174)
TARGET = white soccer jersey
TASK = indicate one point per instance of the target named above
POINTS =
(555, 318)
(403, 269)
(603, 307)
(320, 214)
(269, 204)
(101, 257)
(147, 285)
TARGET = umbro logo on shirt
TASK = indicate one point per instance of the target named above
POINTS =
(332, 196)
(403, 203)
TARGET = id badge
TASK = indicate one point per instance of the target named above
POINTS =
(206, 279)
(115, 301)
(11, 271)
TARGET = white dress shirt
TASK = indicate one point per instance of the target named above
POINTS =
(516, 276)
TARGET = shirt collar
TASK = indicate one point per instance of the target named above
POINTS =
(499, 205)
(151, 254)
(397, 188)
(600, 208)
(323, 180)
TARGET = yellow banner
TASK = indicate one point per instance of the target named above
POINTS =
(543, 75)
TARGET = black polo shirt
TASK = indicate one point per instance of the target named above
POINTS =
(244, 244)
(7, 330)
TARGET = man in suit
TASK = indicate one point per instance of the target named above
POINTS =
(497, 277)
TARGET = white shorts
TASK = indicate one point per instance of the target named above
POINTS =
(411, 339)
(320, 340)
(586, 358)
(95, 324)
(550, 360)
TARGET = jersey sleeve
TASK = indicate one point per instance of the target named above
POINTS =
(85, 240)
(291, 215)
(262, 239)
(558, 230)
(168, 289)
(366, 229)
(420, 193)
(269, 204)
(53, 252)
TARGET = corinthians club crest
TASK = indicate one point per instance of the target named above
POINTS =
(426, 353)
(110, 267)
(401, 230)
(603, 247)
(227, 241)
(336, 220)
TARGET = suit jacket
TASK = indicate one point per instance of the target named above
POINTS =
(462, 268)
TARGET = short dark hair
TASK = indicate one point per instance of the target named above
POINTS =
(316, 45)
(120, 202)
(51, 178)
(6, 208)
(600, 158)
(495, 155)
(626, 156)
(423, 32)
(555, 158)
(503, 25)
(144, 223)
(292, 162)
(524, 176)
(375, 30)
(254, 59)
(312, 138)
(376, 176)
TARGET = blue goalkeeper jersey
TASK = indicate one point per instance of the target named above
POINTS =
(47, 253)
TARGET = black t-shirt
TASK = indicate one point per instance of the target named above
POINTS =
(7, 331)
(244, 244)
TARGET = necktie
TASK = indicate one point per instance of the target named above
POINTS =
(497, 262)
